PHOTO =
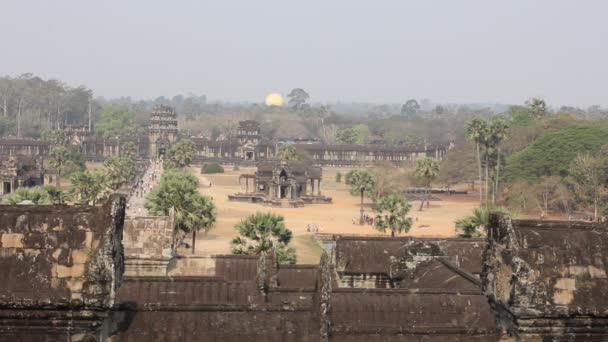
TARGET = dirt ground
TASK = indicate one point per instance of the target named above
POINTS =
(436, 221)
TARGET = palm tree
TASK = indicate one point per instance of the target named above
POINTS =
(427, 169)
(287, 152)
(263, 233)
(178, 191)
(360, 182)
(390, 214)
(475, 224)
(477, 131)
(56, 195)
(35, 194)
(89, 187)
(181, 154)
(59, 156)
(499, 129)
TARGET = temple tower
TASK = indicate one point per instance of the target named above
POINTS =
(163, 130)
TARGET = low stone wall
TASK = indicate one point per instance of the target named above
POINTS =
(149, 245)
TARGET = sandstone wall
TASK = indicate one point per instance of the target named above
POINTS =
(149, 244)
(61, 267)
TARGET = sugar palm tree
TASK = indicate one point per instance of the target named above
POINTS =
(181, 154)
(261, 233)
(89, 187)
(178, 191)
(59, 157)
(391, 211)
(477, 131)
(360, 182)
(56, 195)
(36, 195)
(427, 169)
(498, 131)
(475, 224)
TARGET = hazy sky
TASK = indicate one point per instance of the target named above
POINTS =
(364, 51)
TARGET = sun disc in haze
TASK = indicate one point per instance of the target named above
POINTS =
(274, 99)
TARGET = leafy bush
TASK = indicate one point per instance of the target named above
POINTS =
(212, 168)
(553, 153)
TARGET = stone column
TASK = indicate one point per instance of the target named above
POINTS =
(312, 186)
(246, 185)
(319, 188)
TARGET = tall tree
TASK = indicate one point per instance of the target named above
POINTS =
(427, 170)
(360, 182)
(588, 178)
(346, 136)
(477, 131)
(178, 191)
(391, 211)
(498, 131)
(89, 187)
(116, 121)
(538, 107)
(59, 157)
(297, 98)
(361, 133)
(410, 108)
(181, 154)
(120, 170)
(261, 233)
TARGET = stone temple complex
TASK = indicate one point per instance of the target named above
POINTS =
(87, 273)
(247, 147)
(287, 183)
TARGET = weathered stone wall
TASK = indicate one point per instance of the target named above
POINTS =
(149, 245)
(61, 267)
(548, 279)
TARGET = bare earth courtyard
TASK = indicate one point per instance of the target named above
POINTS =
(335, 218)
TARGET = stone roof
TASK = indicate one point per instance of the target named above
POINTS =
(372, 255)
(249, 125)
(415, 313)
(24, 142)
(369, 148)
(297, 276)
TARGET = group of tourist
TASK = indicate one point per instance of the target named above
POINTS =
(143, 185)
(312, 228)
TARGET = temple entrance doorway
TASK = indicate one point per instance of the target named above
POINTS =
(249, 155)
(6, 188)
(283, 191)
(161, 152)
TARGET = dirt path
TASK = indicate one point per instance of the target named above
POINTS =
(336, 218)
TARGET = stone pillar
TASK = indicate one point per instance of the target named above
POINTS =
(319, 188)
(246, 185)
(312, 186)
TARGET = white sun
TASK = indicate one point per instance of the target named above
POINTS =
(274, 99)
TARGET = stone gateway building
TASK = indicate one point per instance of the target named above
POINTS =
(288, 183)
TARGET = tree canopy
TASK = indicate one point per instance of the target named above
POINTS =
(178, 191)
(181, 154)
(264, 232)
(116, 121)
(391, 211)
(553, 153)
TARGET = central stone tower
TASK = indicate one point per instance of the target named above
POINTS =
(163, 130)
